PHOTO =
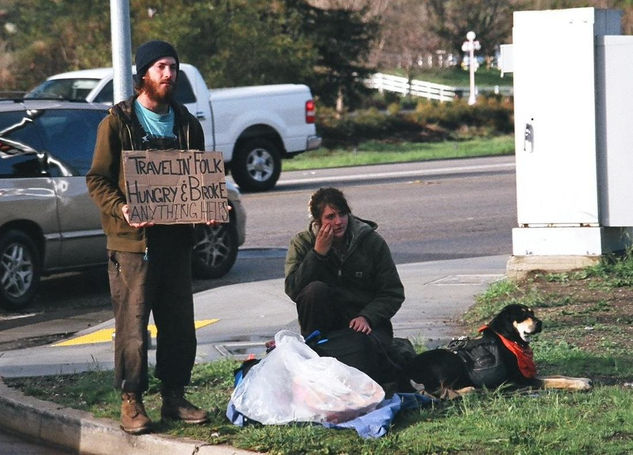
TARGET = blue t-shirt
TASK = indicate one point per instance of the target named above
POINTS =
(155, 125)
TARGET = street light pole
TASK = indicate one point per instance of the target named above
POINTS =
(121, 56)
(471, 46)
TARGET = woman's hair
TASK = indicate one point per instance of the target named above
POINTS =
(327, 196)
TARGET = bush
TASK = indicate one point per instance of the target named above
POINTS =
(370, 124)
(430, 121)
(493, 113)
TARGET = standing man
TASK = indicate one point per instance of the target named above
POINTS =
(149, 266)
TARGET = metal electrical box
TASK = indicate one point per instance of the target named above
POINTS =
(573, 107)
(555, 114)
(614, 126)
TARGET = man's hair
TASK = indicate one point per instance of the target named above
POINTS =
(327, 196)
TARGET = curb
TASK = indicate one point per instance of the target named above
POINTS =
(79, 431)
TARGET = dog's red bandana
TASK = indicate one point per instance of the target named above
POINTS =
(524, 355)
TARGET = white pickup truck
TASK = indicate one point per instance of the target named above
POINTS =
(254, 127)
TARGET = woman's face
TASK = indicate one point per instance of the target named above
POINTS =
(336, 219)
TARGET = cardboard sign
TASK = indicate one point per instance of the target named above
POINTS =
(175, 186)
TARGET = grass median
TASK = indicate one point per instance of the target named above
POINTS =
(588, 332)
(380, 152)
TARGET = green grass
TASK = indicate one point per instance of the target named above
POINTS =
(375, 152)
(499, 422)
(587, 316)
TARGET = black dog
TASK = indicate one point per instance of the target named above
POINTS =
(501, 354)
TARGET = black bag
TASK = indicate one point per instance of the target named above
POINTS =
(483, 360)
(366, 353)
(350, 347)
(401, 352)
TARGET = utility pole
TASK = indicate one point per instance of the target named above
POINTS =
(121, 49)
(470, 46)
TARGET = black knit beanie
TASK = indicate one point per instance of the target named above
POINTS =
(147, 53)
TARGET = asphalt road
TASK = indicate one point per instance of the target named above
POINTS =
(426, 211)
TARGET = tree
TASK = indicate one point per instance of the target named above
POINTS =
(450, 20)
(232, 42)
(53, 36)
(404, 40)
(342, 39)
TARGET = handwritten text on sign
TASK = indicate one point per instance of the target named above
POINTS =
(175, 186)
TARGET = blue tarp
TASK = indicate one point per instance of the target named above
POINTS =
(371, 425)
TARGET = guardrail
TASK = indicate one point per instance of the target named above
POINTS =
(423, 89)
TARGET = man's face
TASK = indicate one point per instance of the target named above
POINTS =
(159, 82)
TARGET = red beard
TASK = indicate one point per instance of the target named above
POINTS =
(159, 92)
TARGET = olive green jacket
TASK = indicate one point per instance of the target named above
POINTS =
(365, 278)
(118, 131)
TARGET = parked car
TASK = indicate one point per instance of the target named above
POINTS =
(48, 223)
(254, 127)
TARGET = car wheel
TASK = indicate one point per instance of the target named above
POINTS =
(19, 270)
(214, 250)
(257, 165)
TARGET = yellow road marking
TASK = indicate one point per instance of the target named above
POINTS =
(105, 335)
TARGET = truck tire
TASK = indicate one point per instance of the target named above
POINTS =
(257, 165)
(19, 270)
(214, 250)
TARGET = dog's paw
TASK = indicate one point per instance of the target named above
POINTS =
(566, 383)
(581, 384)
(465, 390)
(452, 394)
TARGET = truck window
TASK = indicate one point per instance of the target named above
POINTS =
(106, 95)
(65, 89)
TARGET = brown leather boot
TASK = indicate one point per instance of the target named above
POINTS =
(176, 407)
(134, 419)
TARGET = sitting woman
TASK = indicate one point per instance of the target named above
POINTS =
(342, 277)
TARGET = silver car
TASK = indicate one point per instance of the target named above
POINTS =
(48, 223)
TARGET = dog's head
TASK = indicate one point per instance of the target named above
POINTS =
(516, 322)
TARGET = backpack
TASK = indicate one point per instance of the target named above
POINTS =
(482, 357)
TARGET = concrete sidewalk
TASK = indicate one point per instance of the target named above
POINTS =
(247, 314)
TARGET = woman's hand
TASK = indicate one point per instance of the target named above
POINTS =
(324, 239)
(360, 324)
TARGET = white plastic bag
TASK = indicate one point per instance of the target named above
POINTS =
(293, 384)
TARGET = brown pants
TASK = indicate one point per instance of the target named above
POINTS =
(161, 284)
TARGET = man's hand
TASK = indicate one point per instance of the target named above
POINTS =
(324, 239)
(126, 215)
(360, 324)
(214, 223)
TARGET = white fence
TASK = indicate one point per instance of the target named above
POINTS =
(430, 90)
(386, 82)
